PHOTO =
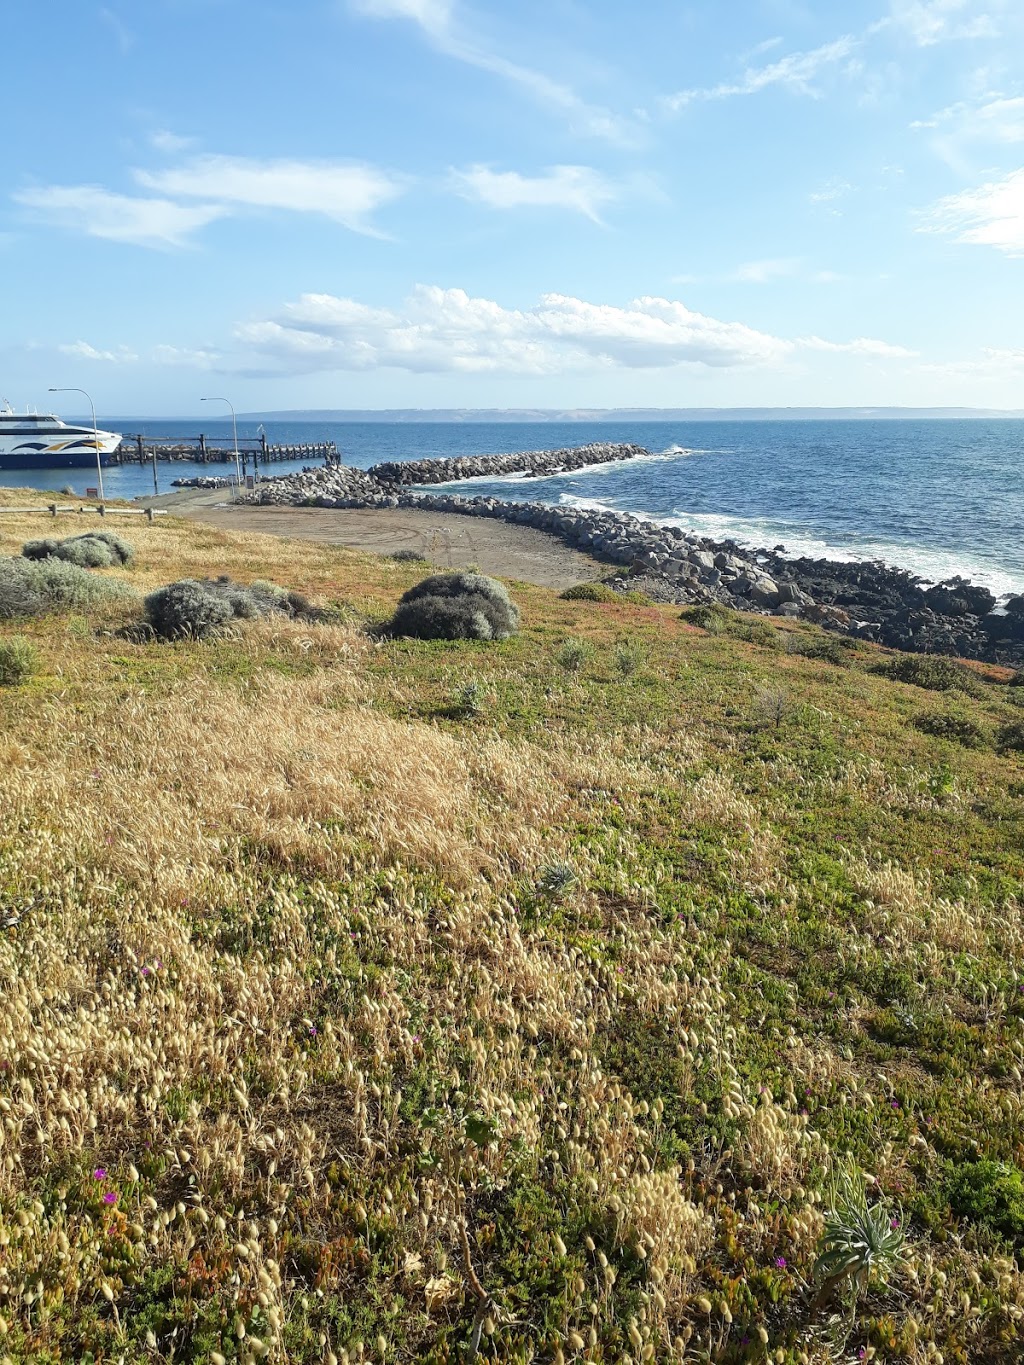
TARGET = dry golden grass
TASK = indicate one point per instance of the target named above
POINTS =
(285, 1012)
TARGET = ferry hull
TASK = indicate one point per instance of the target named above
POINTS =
(48, 459)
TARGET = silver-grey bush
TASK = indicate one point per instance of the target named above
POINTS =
(456, 606)
(195, 608)
(31, 587)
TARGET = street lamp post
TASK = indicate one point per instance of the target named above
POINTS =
(234, 430)
(95, 432)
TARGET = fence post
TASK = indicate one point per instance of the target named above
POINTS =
(149, 514)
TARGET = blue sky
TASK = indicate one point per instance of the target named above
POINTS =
(556, 203)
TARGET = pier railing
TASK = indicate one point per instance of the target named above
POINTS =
(253, 451)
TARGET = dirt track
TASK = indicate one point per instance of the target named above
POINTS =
(446, 539)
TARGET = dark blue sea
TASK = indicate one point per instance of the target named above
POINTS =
(937, 497)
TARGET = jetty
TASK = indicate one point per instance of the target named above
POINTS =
(253, 451)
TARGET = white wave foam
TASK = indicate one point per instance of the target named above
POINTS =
(652, 457)
(932, 565)
(677, 451)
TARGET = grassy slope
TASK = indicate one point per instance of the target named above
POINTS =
(281, 982)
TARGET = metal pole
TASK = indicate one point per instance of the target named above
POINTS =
(234, 429)
(95, 432)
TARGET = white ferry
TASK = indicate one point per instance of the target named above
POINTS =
(30, 440)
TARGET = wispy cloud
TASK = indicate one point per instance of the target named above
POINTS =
(123, 35)
(577, 188)
(928, 22)
(436, 19)
(925, 22)
(868, 346)
(172, 143)
(348, 193)
(764, 272)
(118, 217)
(82, 350)
(992, 120)
(188, 357)
(991, 215)
(796, 73)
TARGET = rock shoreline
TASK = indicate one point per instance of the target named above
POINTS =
(866, 600)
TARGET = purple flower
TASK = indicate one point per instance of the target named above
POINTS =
(894, 1223)
(780, 1263)
(862, 1353)
(100, 1173)
(110, 1198)
(314, 1030)
(145, 971)
(416, 1037)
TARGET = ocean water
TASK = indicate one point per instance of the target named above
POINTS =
(937, 497)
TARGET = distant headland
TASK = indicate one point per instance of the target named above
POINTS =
(862, 414)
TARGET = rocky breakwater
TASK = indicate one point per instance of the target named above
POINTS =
(869, 601)
(205, 481)
(329, 486)
(535, 463)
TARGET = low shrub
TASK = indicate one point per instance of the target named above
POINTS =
(556, 881)
(18, 661)
(31, 587)
(196, 608)
(1010, 739)
(92, 550)
(589, 592)
(709, 616)
(468, 699)
(629, 658)
(40, 549)
(456, 606)
(772, 706)
(759, 633)
(990, 1193)
(572, 654)
(931, 671)
(1018, 679)
(951, 725)
(818, 646)
(187, 609)
(408, 557)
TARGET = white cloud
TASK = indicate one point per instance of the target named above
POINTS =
(82, 350)
(348, 193)
(118, 217)
(763, 272)
(165, 141)
(578, 188)
(431, 14)
(992, 215)
(934, 21)
(184, 356)
(448, 331)
(436, 19)
(795, 72)
(859, 346)
(993, 119)
(123, 35)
